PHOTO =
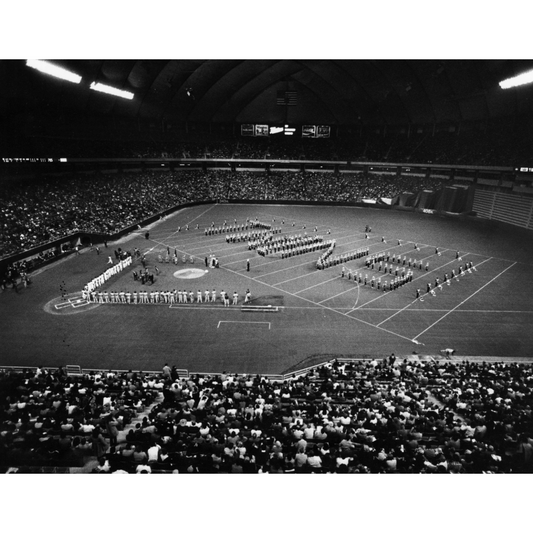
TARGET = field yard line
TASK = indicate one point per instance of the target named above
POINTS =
(322, 306)
(206, 243)
(281, 270)
(240, 322)
(305, 222)
(339, 294)
(190, 221)
(298, 277)
(398, 312)
(313, 286)
(385, 294)
(232, 255)
(177, 249)
(202, 213)
(444, 310)
(466, 299)
(193, 255)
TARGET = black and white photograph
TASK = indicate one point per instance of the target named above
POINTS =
(312, 256)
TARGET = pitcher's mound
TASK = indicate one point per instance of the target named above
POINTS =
(190, 273)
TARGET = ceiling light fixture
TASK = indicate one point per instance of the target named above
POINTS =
(53, 70)
(521, 79)
(111, 90)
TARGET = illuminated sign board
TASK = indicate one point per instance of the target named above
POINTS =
(323, 131)
(308, 131)
(261, 130)
(315, 131)
(247, 130)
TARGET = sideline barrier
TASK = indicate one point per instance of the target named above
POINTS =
(184, 373)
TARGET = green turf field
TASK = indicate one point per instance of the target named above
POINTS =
(486, 313)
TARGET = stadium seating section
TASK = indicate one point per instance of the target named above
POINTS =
(362, 416)
(38, 211)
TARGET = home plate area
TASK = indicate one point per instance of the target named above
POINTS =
(69, 304)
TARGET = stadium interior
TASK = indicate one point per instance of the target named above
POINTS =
(266, 266)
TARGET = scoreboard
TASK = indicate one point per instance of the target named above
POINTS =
(264, 130)
(316, 131)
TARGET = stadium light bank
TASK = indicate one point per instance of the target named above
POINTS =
(53, 70)
(521, 79)
(111, 90)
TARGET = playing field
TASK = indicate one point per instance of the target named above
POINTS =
(314, 314)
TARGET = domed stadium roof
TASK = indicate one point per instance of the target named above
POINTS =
(336, 92)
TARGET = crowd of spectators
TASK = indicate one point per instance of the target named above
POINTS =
(37, 211)
(390, 416)
(49, 418)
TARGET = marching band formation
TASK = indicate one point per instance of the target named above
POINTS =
(290, 246)
(337, 259)
(234, 228)
(260, 237)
